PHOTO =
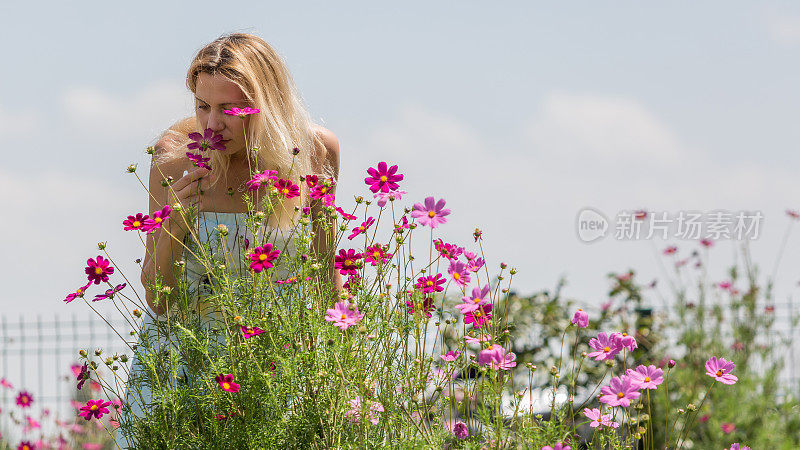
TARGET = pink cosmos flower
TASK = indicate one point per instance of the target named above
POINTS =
(249, 332)
(264, 177)
(581, 318)
(423, 307)
(725, 285)
(262, 257)
(458, 271)
(383, 179)
(286, 188)
(98, 271)
(472, 340)
(157, 219)
(342, 316)
(430, 283)
(345, 216)
(728, 427)
(496, 357)
(558, 446)
(459, 430)
(384, 197)
(135, 222)
(362, 228)
(720, 370)
(378, 254)
(430, 214)
(403, 225)
(480, 317)
(793, 214)
(605, 345)
(226, 383)
(242, 112)
(78, 293)
(6, 384)
(619, 392)
(24, 399)
(736, 446)
(358, 404)
(348, 262)
(450, 356)
(109, 293)
(198, 160)
(671, 250)
(353, 281)
(321, 190)
(625, 341)
(82, 374)
(449, 251)
(475, 265)
(32, 424)
(706, 243)
(599, 419)
(26, 445)
(92, 446)
(94, 408)
(646, 377)
(476, 300)
(208, 140)
(311, 180)
(292, 280)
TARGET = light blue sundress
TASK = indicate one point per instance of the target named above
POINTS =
(237, 241)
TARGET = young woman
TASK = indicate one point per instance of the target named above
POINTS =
(234, 71)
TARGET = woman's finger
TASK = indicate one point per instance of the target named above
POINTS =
(190, 177)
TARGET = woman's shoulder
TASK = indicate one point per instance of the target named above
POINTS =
(327, 147)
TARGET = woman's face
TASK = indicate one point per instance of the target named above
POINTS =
(213, 95)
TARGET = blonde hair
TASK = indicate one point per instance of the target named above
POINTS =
(283, 124)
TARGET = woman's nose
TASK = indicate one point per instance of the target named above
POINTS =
(215, 121)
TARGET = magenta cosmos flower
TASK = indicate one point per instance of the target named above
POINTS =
(198, 160)
(458, 271)
(24, 399)
(348, 262)
(26, 445)
(249, 332)
(361, 228)
(383, 179)
(720, 370)
(342, 316)
(450, 356)
(475, 301)
(671, 250)
(208, 140)
(157, 219)
(735, 446)
(581, 318)
(226, 383)
(431, 213)
(94, 408)
(480, 317)
(422, 306)
(430, 283)
(558, 446)
(6, 384)
(320, 190)
(80, 292)
(262, 257)
(358, 404)
(606, 347)
(646, 377)
(449, 251)
(620, 391)
(345, 215)
(98, 271)
(460, 431)
(242, 112)
(81, 375)
(728, 427)
(475, 265)
(258, 179)
(109, 293)
(286, 188)
(378, 254)
(599, 419)
(135, 222)
(384, 197)
(496, 357)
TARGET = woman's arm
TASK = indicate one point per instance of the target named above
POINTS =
(328, 154)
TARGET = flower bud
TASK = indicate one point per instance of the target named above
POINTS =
(671, 363)
(305, 220)
(137, 260)
(93, 365)
(316, 266)
(359, 199)
(109, 361)
(177, 207)
(259, 215)
(132, 168)
(83, 353)
(295, 151)
(123, 358)
(304, 257)
(223, 229)
(342, 227)
(166, 289)
(513, 271)
(115, 367)
(691, 407)
(137, 313)
(503, 265)
(180, 263)
(237, 319)
(98, 352)
(101, 245)
(150, 150)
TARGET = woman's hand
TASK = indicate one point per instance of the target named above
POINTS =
(188, 192)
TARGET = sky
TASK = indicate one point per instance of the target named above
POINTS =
(520, 115)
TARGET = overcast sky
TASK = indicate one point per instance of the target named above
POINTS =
(519, 115)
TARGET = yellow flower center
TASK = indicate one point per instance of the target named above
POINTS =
(344, 316)
(285, 191)
(431, 214)
(607, 349)
(361, 228)
(93, 408)
(429, 283)
(98, 270)
(324, 189)
(262, 257)
(384, 179)
(348, 263)
(226, 385)
(646, 379)
(476, 314)
(719, 373)
(490, 347)
(476, 300)
(136, 224)
(376, 254)
(620, 395)
(157, 220)
(457, 276)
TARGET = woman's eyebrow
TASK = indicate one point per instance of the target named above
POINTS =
(221, 104)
